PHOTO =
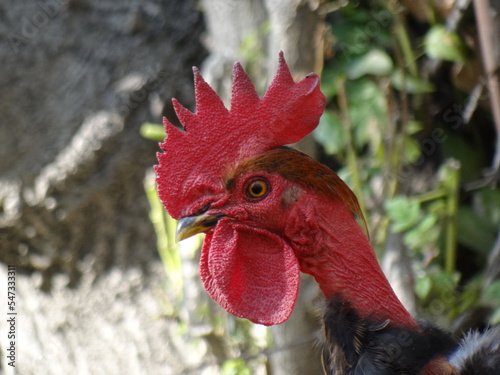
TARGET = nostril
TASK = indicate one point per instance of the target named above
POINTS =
(204, 209)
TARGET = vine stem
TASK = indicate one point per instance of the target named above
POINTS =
(164, 227)
(351, 157)
(453, 184)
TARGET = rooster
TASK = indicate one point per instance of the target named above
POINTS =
(270, 212)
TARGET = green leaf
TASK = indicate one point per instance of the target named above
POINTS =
(412, 85)
(367, 111)
(474, 231)
(235, 367)
(447, 280)
(412, 150)
(154, 132)
(469, 296)
(365, 92)
(444, 45)
(470, 154)
(495, 318)
(374, 62)
(358, 30)
(403, 213)
(424, 232)
(329, 78)
(492, 292)
(330, 133)
(414, 127)
(490, 202)
(423, 287)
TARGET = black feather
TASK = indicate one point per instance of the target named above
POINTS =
(357, 346)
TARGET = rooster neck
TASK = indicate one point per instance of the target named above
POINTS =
(356, 345)
(344, 263)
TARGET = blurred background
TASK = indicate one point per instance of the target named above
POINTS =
(412, 124)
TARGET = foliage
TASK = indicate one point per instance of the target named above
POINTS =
(376, 124)
(164, 227)
(154, 132)
(445, 45)
(235, 367)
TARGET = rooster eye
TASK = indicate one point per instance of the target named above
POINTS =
(257, 188)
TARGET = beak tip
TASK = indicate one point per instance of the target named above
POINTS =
(179, 236)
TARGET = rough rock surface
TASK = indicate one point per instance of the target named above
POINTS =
(78, 79)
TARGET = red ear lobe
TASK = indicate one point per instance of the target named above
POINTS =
(250, 272)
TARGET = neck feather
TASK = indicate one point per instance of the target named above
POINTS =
(344, 263)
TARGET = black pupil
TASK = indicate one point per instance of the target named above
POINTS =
(257, 188)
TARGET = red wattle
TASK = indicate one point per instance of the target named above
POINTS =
(250, 272)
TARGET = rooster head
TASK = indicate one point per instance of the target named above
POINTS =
(218, 176)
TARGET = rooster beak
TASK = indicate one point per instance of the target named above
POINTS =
(190, 225)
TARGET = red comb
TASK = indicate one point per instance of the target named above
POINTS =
(193, 160)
